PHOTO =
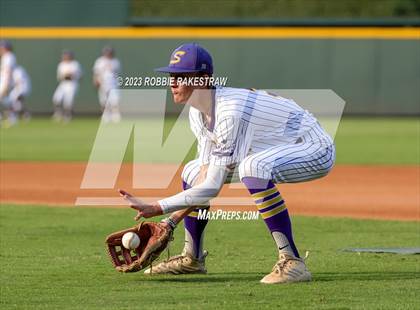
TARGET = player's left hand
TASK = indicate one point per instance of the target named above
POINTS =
(143, 209)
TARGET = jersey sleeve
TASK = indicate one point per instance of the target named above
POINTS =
(233, 137)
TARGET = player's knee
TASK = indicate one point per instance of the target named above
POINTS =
(247, 169)
(253, 168)
(189, 173)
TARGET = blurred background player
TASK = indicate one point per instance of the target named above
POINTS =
(7, 65)
(20, 91)
(105, 72)
(69, 73)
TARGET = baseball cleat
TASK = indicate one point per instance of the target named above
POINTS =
(180, 264)
(288, 269)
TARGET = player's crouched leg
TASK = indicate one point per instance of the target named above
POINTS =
(257, 178)
(192, 259)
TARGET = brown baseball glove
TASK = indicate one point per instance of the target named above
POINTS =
(154, 238)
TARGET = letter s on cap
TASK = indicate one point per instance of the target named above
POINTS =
(176, 57)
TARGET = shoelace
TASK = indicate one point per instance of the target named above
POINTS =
(279, 266)
(177, 257)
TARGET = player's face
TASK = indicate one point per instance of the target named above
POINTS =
(66, 57)
(109, 54)
(181, 93)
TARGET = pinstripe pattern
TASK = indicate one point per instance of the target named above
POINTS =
(269, 137)
(192, 170)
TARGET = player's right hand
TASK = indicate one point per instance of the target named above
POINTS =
(143, 209)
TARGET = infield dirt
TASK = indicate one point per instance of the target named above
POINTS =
(378, 192)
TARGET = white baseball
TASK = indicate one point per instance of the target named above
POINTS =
(130, 240)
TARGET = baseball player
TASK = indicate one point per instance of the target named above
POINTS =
(21, 90)
(69, 73)
(269, 139)
(7, 65)
(105, 72)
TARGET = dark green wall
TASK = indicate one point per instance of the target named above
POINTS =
(372, 76)
(36, 13)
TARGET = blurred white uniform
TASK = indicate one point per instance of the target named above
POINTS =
(7, 65)
(68, 74)
(21, 88)
(106, 71)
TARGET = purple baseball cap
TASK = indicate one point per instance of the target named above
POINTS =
(189, 57)
(6, 44)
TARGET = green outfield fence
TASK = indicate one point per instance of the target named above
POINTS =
(374, 65)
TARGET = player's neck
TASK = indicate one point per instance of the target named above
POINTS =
(203, 100)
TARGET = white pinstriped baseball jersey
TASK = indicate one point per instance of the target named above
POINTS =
(263, 136)
(247, 122)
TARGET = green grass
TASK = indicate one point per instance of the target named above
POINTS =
(54, 258)
(378, 141)
(358, 141)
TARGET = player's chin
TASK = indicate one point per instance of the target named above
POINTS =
(179, 99)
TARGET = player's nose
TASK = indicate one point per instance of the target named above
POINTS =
(174, 83)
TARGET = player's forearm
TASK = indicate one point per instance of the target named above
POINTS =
(199, 194)
(195, 196)
(178, 216)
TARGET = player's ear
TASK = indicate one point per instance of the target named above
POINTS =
(205, 75)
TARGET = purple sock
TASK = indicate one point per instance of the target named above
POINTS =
(274, 212)
(194, 231)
